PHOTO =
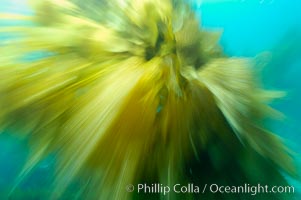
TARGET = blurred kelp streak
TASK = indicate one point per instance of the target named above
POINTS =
(135, 92)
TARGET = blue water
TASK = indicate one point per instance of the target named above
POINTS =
(250, 27)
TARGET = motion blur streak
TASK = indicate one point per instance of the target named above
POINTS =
(135, 91)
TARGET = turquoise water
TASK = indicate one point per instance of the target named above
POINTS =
(273, 26)
(250, 28)
(253, 27)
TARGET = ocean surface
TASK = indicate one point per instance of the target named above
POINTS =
(268, 30)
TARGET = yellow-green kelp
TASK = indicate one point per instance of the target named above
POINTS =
(135, 91)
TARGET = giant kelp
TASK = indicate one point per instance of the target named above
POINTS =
(135, 91)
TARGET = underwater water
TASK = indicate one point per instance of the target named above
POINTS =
(269, 30)
(273, 26)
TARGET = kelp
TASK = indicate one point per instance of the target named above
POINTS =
(135, 91)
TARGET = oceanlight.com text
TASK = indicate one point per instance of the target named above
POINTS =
(250, 189)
